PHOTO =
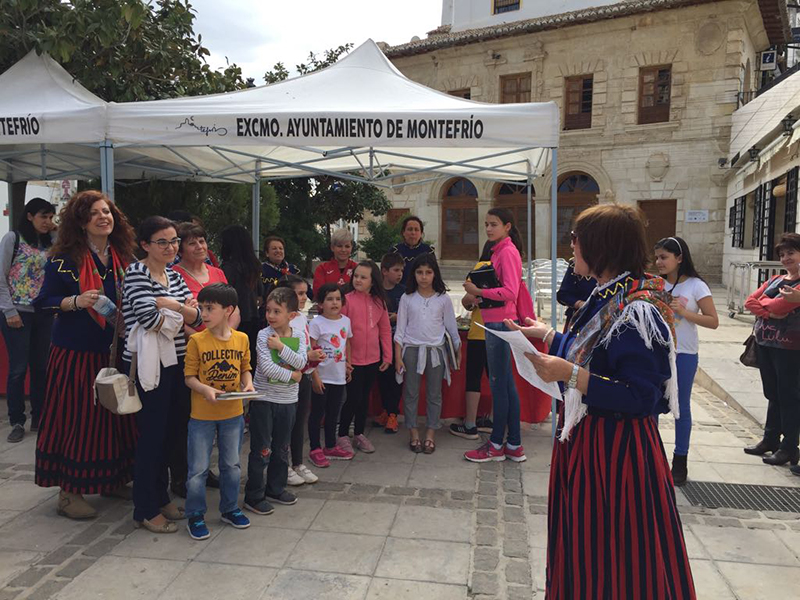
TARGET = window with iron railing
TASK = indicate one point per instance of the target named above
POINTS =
(503, 6)
(737, 241)
(790, 220)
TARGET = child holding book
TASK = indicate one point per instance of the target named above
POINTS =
(332, 332)
(281, 358)
(392, 268)
(217, 361)
(371, 350)
(426, 314)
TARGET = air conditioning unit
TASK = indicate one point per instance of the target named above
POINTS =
(769, 60)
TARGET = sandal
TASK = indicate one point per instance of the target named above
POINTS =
(173, 512)
(166, 527)
(416, 446)
(429, 447)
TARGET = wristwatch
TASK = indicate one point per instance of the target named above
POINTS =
(573, 378)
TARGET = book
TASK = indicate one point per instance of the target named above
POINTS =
(452, 355)
(485, 278)
(241, 396)
(294, 344)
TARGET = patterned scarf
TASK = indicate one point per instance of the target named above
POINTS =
(634, 303)
(89, 279)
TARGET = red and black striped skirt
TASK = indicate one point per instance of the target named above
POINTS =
(82, 447)
(614, 532)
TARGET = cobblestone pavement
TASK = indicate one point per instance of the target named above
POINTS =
(391, 525)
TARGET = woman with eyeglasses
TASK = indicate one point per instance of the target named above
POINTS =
(156, 299)
(693, 305)
(83, 448)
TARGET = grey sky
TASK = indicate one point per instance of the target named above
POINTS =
(258, 34)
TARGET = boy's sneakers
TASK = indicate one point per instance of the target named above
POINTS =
(318, 458)
(294, 478)
(468, 433)
(236, 519)
(343, 443)
(486, 453)
(517, 454)
(391, 424)
(362, 443)
(339, 452)
(484, 424)
(381, 419)
(262, 507)
(285, 497)
(197, 528)
(304, 472)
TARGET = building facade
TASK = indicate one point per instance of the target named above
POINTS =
(646, 91)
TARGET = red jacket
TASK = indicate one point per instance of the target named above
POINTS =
(329, 272)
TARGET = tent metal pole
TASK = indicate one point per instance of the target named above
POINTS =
(257, 208)
(530, 230)
(44, 161)
(553, 258)
(371, 161)
(107, 168)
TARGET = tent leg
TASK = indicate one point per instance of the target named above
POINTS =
(553, 258)
(530, 230)
(256, 208)
(107, 169)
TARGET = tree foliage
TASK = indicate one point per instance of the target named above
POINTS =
(121, 50)
(382, 236)
(315, 63)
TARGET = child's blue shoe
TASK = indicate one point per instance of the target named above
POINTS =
(197, 528)
(236, 518)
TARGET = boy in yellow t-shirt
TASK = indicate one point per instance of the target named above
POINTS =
(217, 361)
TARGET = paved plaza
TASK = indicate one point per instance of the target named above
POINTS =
(391, 525)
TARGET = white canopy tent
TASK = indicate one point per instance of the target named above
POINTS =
(360, 119)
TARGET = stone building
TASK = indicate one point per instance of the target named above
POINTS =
(646, 90)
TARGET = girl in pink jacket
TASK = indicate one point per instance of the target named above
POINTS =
(371, 349)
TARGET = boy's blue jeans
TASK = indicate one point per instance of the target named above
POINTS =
(201, 441)
(505, 399)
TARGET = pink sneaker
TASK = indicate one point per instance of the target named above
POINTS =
(486, 453)
(343, 450)
(317, 456)
(363, 444)
(517, 455)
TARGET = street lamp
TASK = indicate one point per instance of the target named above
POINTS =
(788, 124)
(754, 153)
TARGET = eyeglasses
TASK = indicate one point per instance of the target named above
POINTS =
(573, 237)
(164, 244)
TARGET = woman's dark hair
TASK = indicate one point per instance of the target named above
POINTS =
(486, 253)
(376, 289)
(25, 227)
(329, 288)
(425, 260)
(152, 225)
(189, 231)
(290, 280)
(219, 293)
(506, 216)
(236, 249)
(679, 247)
(72, 240)
(270, 239)
(612, 238)
(410, 218)
(788, 241)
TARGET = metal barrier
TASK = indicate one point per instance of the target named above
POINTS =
(740, 279)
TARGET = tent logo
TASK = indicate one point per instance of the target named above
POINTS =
(19, 125)
(204, 129)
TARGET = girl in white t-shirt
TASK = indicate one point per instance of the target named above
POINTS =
(331, 331)
(425, 315)
(693, 305)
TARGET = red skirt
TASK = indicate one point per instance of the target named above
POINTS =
(614, 532)
(82, 447)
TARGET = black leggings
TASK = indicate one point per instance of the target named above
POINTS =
(357, 402)
(299, 429)
(327, 404)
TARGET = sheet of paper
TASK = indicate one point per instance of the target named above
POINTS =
(519, 346)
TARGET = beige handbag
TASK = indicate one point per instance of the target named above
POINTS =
(113, 389)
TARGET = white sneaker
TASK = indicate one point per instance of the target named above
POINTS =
(294, 478)
(304, 472)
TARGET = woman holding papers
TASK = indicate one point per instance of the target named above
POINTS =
(614, 528)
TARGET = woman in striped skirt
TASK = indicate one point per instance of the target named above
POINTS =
(82, 447)
(614, 532)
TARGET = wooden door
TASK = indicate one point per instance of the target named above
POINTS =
(660, 218)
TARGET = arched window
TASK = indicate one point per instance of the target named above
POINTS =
(515, 198)
(576, 192)
(460, 236)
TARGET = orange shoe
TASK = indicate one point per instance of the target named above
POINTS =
(381, 419)
(391, 424)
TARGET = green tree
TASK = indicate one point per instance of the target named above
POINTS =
(382, 236)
